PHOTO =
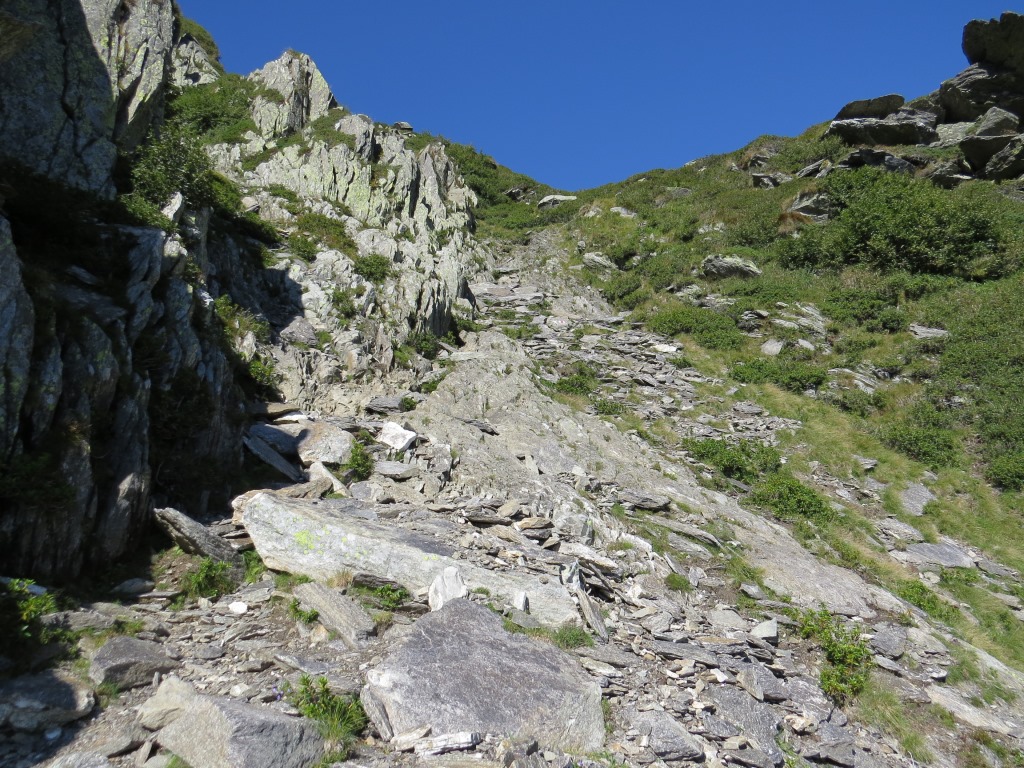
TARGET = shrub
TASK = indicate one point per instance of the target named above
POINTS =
(890, 221)
(916, 593)
(359, 463)
(303, 247)
(924, 433)
(788, 373)
(330, 232)
(22, 605)
(791, 500)
(341, 718)
(745, 461)
(372, 267)
(848, 657)
(342, 301)
(709, 328)
(216, 112)
(678, 583)
(425, 343)
(170, 162)
(609, 407)
(572, 636)
(1007, 471)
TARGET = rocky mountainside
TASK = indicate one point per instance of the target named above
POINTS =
(326, 441)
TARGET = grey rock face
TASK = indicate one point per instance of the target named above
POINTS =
(128, 662)
(1008, 162)
(97, 70)
(904, 127)
(462, 671)
(37, 702)
(667, 738)
(914, 498)
(16, 322)
(338, 613)
(221, 733)
(878, 107)
(759, 723)
(167, 704)
(305, 95)
(193, 537)
(971, 93)
(999, 42)
(319, 540)
(191, 65)
(729, 266)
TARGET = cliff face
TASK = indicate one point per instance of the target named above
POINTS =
(117, 363)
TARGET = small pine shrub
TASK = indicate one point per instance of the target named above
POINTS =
(848, 657)
(341, 718)
(359, 463)
(425, 343)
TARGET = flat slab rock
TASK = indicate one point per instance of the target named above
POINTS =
(223, 733)
(666, 737)
(318, 539)
(338, 613)
(460, 670)
(128, 662)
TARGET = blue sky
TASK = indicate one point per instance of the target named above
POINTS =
(578, 93)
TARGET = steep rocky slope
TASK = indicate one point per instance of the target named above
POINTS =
(508, 520)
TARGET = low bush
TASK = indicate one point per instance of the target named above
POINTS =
(794, 375)
(707, 327)
(791, 500)
(372, 267)
(745, 461)
(848, 657)
(340, 718)
(210, 578)
(359, 463)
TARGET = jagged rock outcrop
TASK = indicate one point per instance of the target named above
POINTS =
(97, 69)
(300, 96)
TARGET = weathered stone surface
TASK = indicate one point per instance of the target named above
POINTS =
(644, 500)
(550, 201)
(194, 537)
(191, 64)
(318, 540)
(728, 266)
(324, 442)
(878, 107)
(758, 722)
(890, 640)
(395, 436)
(972, 92)
(904, 127)
(999, 42)
(96, 71)
(339, 613)
(954, 703)
(462, 670)
(81, 760)
(305, 94)
(396, 470)
(667, 738)
(167, 704)
(685, 652)
(914, 498)
(38, 702)
(1008, 162)
(446, 587)
(128, 662)
(222, 733)
(946, 553)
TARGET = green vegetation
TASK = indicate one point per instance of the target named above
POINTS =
(847, 656)
(187, 26)
(373, 267)
(297, 612)
(341, 718)
(791, 500)
(890, 221)
(327, 231)
(210, 578)
(788, 373)
(884, 708)
(745, 461)
(360, 462)
(567, 636)
(254, 567)
(709, 329)
(22, 606)
(678, 583)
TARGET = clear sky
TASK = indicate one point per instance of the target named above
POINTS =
(578, 93)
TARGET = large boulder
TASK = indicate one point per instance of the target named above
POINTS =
(878, 107)
(997, 41)
(38, 702)
(971, 93)
(223, 733)
(319, 539)
(908, 126)
(1008, 162)
(729, 266)
(461, 671)
(128, 662)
